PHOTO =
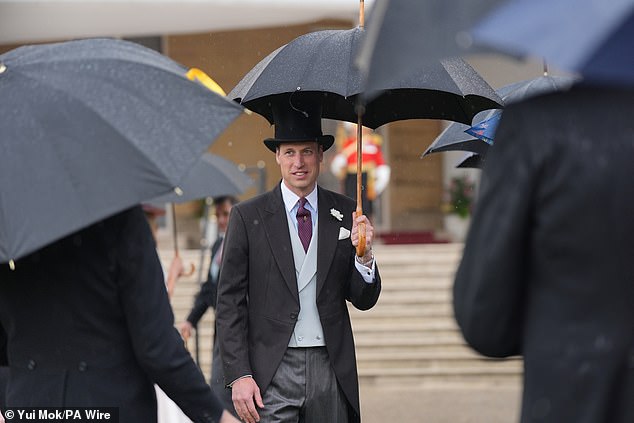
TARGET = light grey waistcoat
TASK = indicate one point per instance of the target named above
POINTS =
(308, 331)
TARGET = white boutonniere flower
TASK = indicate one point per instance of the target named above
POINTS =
(336, 214)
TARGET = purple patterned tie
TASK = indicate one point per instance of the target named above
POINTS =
(304, 224)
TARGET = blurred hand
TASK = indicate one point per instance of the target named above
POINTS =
(185, 329)
(226, 417)
(243, 393)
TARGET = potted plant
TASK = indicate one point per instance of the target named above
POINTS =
(460, 195)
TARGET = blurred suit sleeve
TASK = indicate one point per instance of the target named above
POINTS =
(207, 295)
(489, 284)
(157, 345)
(3, 347)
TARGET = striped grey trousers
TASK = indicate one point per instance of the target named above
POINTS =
(304, 390)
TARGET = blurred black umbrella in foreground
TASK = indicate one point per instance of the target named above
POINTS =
(89, 128)
(404, 35)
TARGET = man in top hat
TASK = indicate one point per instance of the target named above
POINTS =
(289, 266)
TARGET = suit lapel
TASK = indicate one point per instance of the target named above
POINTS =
(328, 230)
(276, 227)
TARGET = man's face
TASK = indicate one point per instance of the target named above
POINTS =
(299, 165)
(222, 215)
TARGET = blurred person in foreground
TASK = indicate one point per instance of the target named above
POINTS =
(548, 265)
(88, 324)
(288, 268)
(206, 298)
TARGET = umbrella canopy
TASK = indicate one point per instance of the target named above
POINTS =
(471, 161)
(321, 63)
(211, 176)
(591, 37)
(485, 130)
(403, 35)
(455, 137)
(91, 127)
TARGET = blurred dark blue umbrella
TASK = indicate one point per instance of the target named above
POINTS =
(485, 130)
(593, 38)
(403, 35)
(454, 138)
(91, 127)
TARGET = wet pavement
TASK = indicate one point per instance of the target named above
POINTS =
(441, 404)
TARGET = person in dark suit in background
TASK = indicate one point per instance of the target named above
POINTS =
(88, 324)
(289, 265)
(206, 298)
(548, 265)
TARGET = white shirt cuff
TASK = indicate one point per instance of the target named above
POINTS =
(367, 273)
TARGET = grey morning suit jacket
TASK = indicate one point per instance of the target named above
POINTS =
(258, 300)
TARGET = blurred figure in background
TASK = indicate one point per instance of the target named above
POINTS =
(206, 298)
(176, 268)
(376, 172)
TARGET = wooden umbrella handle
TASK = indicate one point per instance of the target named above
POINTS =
(361, 245)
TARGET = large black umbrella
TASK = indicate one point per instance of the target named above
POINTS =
(89, 128)
(593, 38)
(322, 62)
(403, 35)
(454, 137)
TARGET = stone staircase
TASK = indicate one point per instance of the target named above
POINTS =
(409, 338)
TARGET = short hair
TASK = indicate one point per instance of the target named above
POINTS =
(224, 198)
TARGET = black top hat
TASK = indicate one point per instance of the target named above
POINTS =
(297, 122)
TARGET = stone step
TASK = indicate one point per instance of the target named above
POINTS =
(408, 283)
(431, 359)
(462, 376)
(400, 340)
(389, 310)
(458, 355)
(431, 325)
(415, 271)
(415, 297)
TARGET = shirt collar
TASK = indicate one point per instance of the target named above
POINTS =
(290, 198)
